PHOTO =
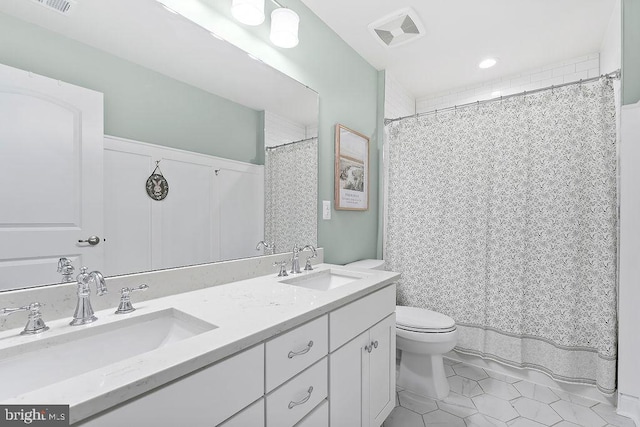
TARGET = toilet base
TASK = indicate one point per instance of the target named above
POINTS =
(423, 374)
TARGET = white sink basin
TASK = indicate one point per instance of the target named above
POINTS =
(324, 280)
(45, 361)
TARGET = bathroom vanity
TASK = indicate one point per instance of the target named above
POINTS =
(266, 351)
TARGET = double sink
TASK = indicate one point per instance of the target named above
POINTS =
(50, 358)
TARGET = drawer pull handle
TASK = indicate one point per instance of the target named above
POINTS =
(370, 347)
(305, 350)
(300, 402)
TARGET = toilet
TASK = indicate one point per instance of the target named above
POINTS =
(422, 336)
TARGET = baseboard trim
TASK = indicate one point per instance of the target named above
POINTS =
(629, 406)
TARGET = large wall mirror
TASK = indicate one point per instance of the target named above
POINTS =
(244, 174)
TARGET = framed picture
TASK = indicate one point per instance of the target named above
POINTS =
(352, 170)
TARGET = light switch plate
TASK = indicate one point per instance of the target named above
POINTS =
(326, 209)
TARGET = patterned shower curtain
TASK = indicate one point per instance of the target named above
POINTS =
(504, 217)
(291, 188)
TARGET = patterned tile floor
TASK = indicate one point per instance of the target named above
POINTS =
(482, 398)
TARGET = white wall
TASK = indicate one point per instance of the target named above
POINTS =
(611, 48)
(566, 71)
(398, 102)
(281, 130)
(629, 290)
(214, 210)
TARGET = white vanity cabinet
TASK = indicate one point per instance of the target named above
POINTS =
(337, 369)
(253, 416)
(204, 398)
(362, 364)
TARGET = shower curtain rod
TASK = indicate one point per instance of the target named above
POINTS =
(614, 75)
(289, 143)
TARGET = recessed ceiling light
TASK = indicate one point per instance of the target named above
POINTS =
(487, 63)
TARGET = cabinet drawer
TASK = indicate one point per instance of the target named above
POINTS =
(251, 416)
(295, 350)
(319, 417)
(201, 399)
(351, 320)
(290, 403)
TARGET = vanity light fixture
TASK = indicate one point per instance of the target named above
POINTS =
(488, 63)
(284, 27)
(249, 12)
(284, 21)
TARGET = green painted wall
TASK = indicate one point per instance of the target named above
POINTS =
(348, 89)
(139, 104)
(630, 51)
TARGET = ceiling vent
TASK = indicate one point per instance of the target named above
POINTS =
(398, 28)
(64, 7)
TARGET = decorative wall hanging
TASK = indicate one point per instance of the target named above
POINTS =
(157, 185)
(351, 170)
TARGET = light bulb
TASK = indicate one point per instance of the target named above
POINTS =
(284, 27)
(249, 12)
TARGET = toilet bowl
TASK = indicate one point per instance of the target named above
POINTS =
(422, 336)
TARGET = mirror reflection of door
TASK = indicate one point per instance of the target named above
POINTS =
(46, 208)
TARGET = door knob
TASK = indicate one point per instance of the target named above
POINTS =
(93, 240)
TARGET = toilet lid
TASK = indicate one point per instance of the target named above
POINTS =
(423, 320)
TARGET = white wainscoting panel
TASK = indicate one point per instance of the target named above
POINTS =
(214, 210)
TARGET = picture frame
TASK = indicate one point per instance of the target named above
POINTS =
(351, 170)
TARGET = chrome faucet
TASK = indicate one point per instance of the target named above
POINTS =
(35, 324)
(307, 266)
(267, 246)
(66, 269)
(295, 262)
(84, 312)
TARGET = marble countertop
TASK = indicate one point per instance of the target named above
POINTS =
(245, 312)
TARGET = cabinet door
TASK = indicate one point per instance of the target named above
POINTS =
(203, 398)
(382, 370)
(252, 416)
(348, 368)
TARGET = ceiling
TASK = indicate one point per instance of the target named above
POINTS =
(143, 32)
(522, 34)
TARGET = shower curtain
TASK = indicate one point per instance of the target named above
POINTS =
(291, 188)
(504, 216)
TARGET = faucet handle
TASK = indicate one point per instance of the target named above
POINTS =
(35, 324)
(125, 299)
(283, 268)
(307, 265)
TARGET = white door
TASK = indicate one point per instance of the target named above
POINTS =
(50, 177)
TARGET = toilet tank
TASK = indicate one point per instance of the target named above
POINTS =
(372, 264)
